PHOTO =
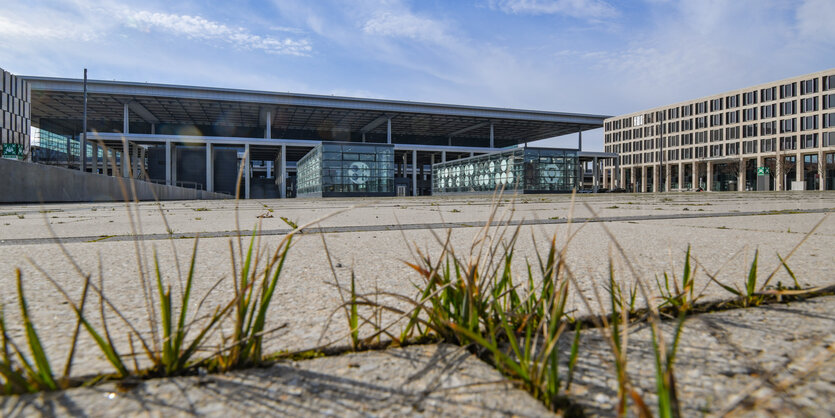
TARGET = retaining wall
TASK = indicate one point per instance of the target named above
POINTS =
(22, 182)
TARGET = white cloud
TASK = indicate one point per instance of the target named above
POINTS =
(86, 21)
(196, 27)
(584, 9)
(405, 24)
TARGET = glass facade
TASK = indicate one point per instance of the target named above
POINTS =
(529, 170)
(346, 169)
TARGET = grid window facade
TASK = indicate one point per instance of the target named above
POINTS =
(783, 117)
(15, 108)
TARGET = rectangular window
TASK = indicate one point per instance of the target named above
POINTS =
(828, 101)
(768, 144)
(716, 120)
(828, 139)
(749, 147)
(768, 94)
(732, 148)
(829, 82)
(701, 137)
(749, 114)
(808, 123)
(829, 120)
(687, 153)
(809, 141)
(809, 86)
(788, 90)
(788, 143)
(687, 110)
(731, 101)
(788, 125)
(687, 139)
(788, 108)
(768, 128)
(687, 124)
(701, 122)
(701, 107)
(749, 98)
(809, 104)
(732, 133)
(749, 131)
(716, 150)
(715, 105)
(715, 135)
(768, 111)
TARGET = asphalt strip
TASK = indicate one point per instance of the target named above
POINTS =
(400, 227)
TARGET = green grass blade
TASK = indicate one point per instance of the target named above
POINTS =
(751, 284)
(44, 372)
(354, 317)
(789, 271)
(165, 315)
(181, 331)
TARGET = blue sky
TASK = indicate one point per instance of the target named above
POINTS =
(585, 56)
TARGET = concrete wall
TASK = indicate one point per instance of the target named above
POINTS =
(22, 182)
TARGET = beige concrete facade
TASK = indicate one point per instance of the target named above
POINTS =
(717, 143)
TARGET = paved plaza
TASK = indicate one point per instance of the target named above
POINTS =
(372, 238)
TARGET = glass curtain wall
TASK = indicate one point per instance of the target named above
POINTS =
(529, 170)
(346, 169)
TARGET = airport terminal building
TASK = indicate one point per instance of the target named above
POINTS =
(279, 144)
(773, 136)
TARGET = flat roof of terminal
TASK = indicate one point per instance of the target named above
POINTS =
(58, 102)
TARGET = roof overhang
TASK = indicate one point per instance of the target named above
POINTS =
(317, 117)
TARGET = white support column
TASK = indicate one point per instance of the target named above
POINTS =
(269, 169)
(153, 129)
(695, 175)
(388, 131)
(134, 161)
(210, 168)
(414, 173)
(594, 172)
(680, 176)
(125, 160)
(668, 180)
(656, 178)
(363, 137)
(472, 154)
(168, 162)
(741, 180)
(246, 171)
(492, 138)
(821, 171)
(643, 178)
(443, 156)
(268, 133)
(757, 182)
(282, 173)
(709, 182)
(798, 169)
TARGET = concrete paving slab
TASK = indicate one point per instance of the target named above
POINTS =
(431, 380)
(109, 219)
(776, 360)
